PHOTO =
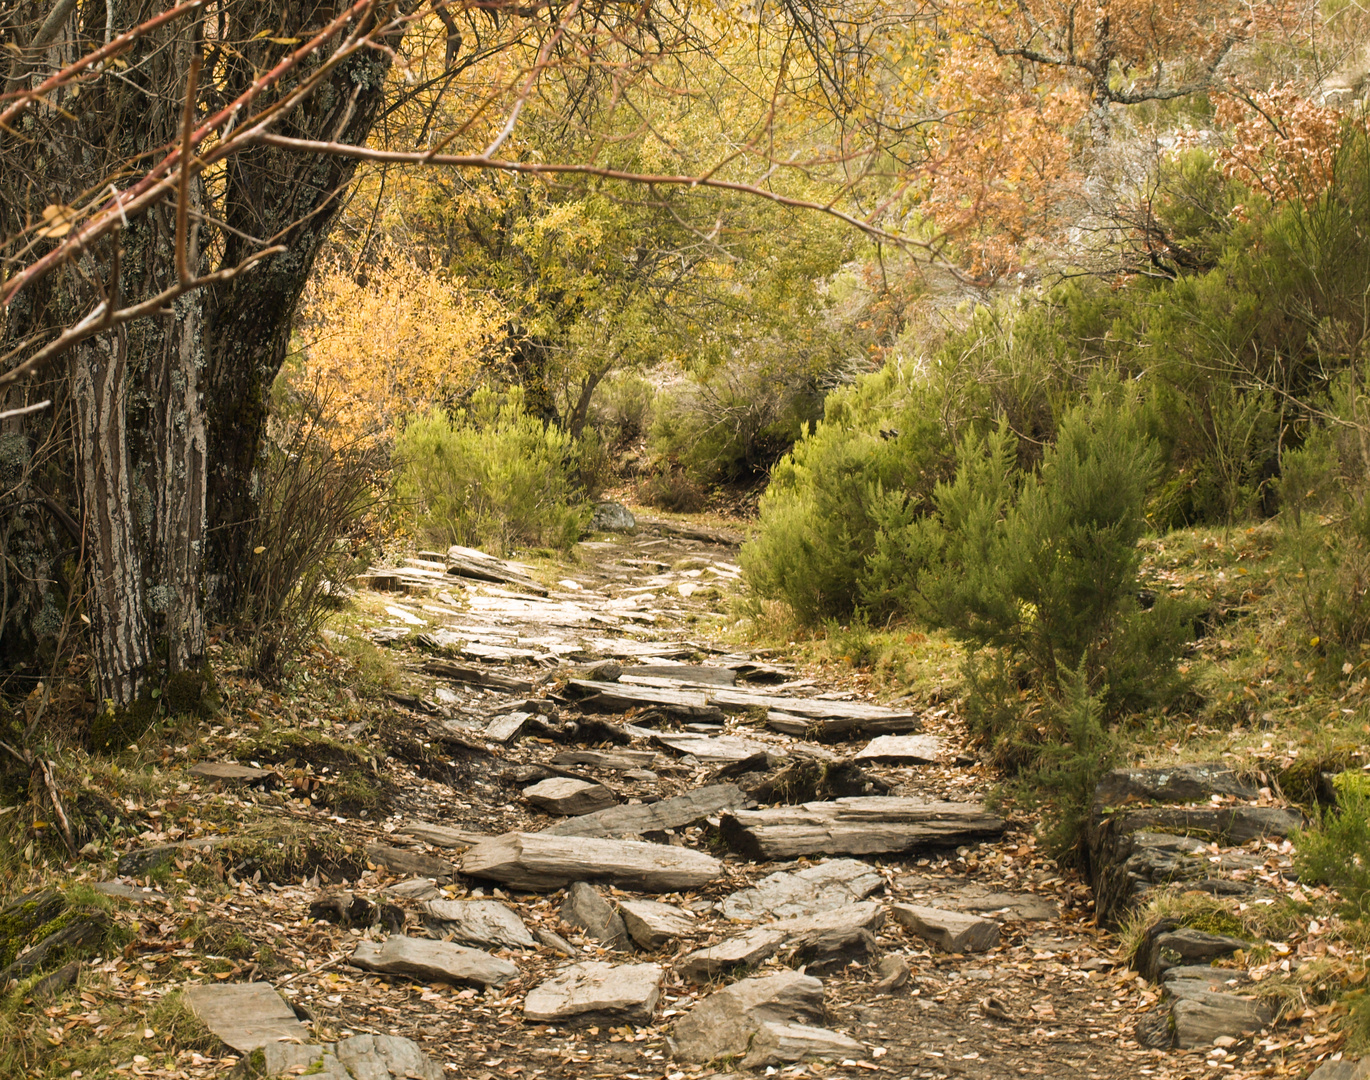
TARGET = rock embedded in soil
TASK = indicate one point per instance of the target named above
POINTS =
(950, 931)
(1167, 945)
(246, 1016)
(652, 924)
(915, 749)
(409, 863)
(480, 922)
(1198, 1023)
(505, 727)
(626, 822)
(832, 884)
(1179, 784)
(722, 1025)
(227, 771)
(433, 961)
(363, 1057)
(593, 991)
(1011, 907)
(783, 1044)
(827, 939)
(586, 910)
(614, 760)
(569, 797)
(539, 862)
(710, 748)
(867, 825)
(1353, 1069)
(613, 517)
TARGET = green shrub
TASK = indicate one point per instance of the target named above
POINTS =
(1039, 580)
(623, 407)
(1337, 851)
(490, 476)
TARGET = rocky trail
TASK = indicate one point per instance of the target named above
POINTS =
(609, 846)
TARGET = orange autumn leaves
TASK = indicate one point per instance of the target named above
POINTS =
(387, 347)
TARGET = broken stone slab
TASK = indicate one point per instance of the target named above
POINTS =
(470, 563)
(480, 922)
(503, 728)
(1346, 1069)
(414, 889)
(1177, 784)
(822, 938)
(950, 931)
(710, 748)
(1166, 945)
(441, 836)
(1010, 907)
(433, 961)
(704, 674)
(569, 797)
(1198, 1023)
(724, 1022)
(1126, 865)
(409, 863)
(595, 990)
(918, 749)
(634, 820)
(866, 825)
(223, 770)
(246, 1016)
(586, 910)
(539, 862)
(783, 1044)
(616, 697)
(143, 861)
(615, 760)
(832, 884)
(362, 1057)
(471, 676)
(652, 924)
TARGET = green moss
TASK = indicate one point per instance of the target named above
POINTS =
(22, 923)
(192, 693)
(118, 725)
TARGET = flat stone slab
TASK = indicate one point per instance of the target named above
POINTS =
(710, 748)
(864, 825)
(409, 863)
(723, 1023)
(595, 990)
(433, 961)
(1010, 907)
(503, 728)
(569, 797)
(652, 924)
(951, 931)
(832, 884)
(1177, 784)
(1198, 1023)
(441, 836)
(538, 862)
(586, 910)
(1350, 1069)
(363, 1057)
(919, 749)
(481, 922)
(246, 1016)
(822, 936)
(629, 821)
(615, 760)
(783, 1044)
(223, 770)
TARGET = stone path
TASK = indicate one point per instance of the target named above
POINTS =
(690, 860)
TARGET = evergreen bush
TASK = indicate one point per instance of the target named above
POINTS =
(490, 476)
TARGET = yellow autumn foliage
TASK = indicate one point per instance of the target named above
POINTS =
(393, 344)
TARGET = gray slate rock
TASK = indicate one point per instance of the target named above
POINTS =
(363, 1057)
(569, 797)
(1167, 947)
(433, 961)
(832, 884)
(1010, 907)
(1198, 1023)
(594, 990)
(409, 863)
(631, 821)
(824, 940)
(480, 922)
(613, 517)
(1357, 1069)
(652, 924)
(246, 1016)
(586, 910)
(951, 931)
(724, 1022)
(782, 1044)
(540, 862)
(1178, 784)
(917, 749)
